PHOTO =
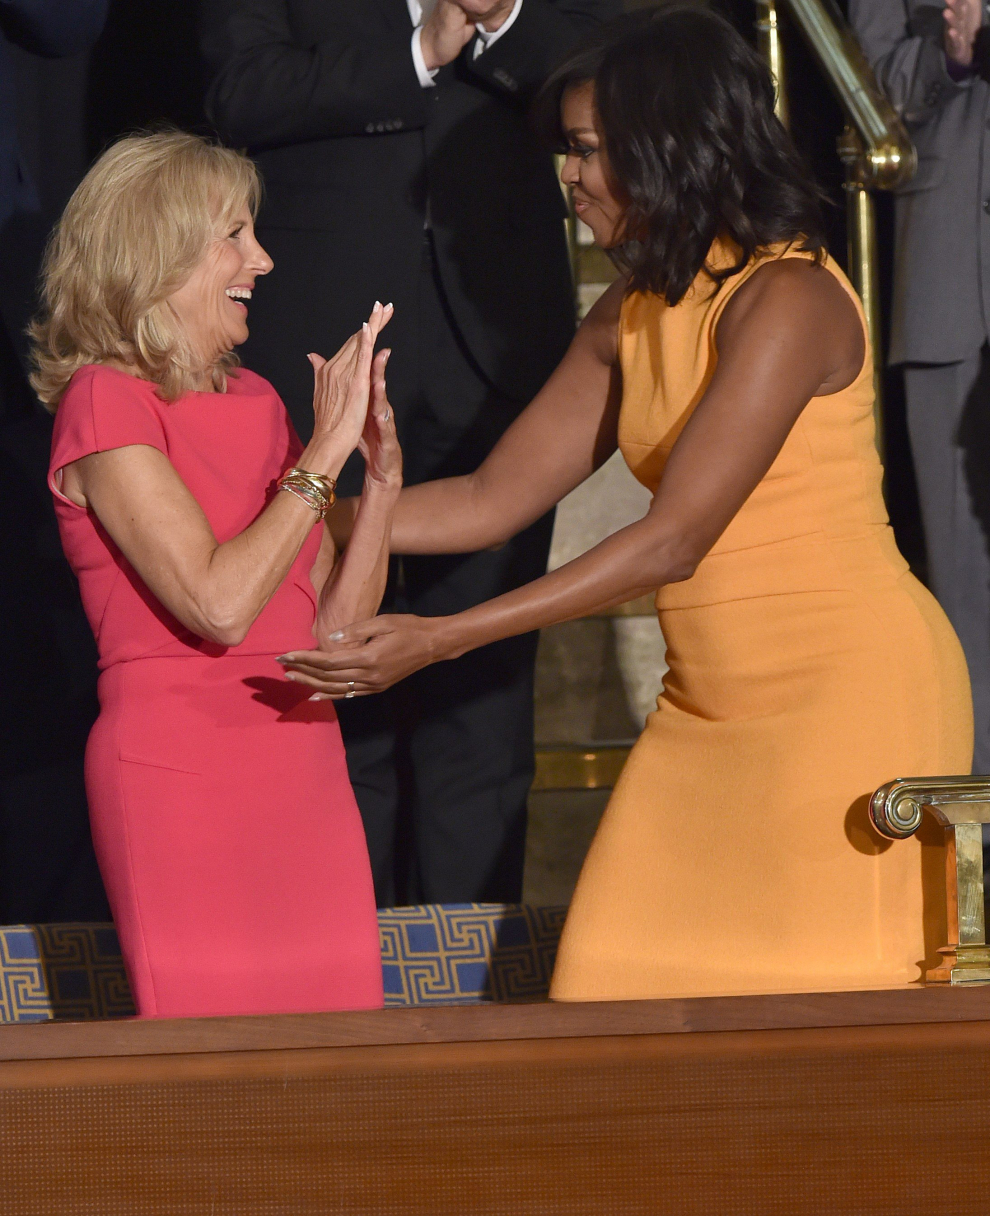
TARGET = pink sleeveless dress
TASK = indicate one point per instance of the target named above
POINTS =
(224, 822)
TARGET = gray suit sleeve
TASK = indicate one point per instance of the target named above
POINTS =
(907, 54)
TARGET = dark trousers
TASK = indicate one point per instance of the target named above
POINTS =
(948, 411)
(442, 763)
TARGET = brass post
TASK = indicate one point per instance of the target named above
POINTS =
(961, 805)
(768, 40)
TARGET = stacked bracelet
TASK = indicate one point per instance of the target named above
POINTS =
(315, 490)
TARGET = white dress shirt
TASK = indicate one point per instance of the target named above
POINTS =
(419, 12)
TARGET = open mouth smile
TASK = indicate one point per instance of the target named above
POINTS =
(239, 296)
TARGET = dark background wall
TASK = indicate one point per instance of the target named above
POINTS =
(144, 70)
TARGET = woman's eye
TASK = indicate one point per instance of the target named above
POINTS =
(237, 231)
(582, 151)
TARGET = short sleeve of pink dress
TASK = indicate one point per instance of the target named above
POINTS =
(101, 411)
(223, 817)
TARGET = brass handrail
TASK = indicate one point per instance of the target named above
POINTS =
(961, 807)
(875, 147)
(886, 157)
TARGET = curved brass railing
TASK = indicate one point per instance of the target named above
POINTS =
(961, 807)
(875, 147)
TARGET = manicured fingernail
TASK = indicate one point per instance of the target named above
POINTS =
(390, 304)
(336, 637)
(282, 658)
(290, 675)
(316, 696)
(387, 355)
(366, 327)
(378, 304)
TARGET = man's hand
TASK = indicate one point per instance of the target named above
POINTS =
(962, 21)
(446, 34)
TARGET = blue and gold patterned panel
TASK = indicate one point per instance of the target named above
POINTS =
(69, 972)
(431, 955)
(458, 954)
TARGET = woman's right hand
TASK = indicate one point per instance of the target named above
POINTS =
(341, 395)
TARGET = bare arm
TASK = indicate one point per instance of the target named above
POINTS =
(558, 441)
(353, 588)
(218, 590)
(787, 335)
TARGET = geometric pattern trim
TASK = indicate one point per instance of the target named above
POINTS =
(460, 954)
(71, 972)
(435, 954)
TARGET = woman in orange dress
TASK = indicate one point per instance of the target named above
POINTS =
(730, 365)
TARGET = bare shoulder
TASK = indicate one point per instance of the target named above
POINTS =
(791, 287)
(599, 331)
(794, 301)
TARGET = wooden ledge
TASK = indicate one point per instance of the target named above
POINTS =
(486, 1023)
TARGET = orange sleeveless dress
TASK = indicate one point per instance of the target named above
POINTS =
(807, 667)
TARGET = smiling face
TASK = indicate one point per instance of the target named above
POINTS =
(212, 304)
(586, 168)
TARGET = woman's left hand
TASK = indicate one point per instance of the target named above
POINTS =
(369, 657)
(379, 444)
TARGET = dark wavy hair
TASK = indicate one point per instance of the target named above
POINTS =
(685, 108)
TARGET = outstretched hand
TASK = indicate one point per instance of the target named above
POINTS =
(368, 657)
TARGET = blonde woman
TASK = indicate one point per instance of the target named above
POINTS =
(224, 822)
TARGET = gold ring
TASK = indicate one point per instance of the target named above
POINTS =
(350, 690)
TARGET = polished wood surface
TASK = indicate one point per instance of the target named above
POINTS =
(890, 1120)
(477, 1023)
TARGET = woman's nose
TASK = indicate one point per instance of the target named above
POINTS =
(570, 170)
(263, 263)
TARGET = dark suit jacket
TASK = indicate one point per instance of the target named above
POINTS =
(52, 28)
(355, 153)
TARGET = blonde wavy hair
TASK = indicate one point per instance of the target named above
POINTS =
(139, 223)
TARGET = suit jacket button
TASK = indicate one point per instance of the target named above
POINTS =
(986, 205)
(505, 79)
(933, 94)
(369, 129)
(398, 124)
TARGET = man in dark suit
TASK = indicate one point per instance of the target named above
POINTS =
(400, 166)
(933, 60)
(47, 868)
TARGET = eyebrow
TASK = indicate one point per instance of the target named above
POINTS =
(581, 131)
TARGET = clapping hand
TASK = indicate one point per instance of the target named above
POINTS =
(342, 388)
(962, 21)
(451, 26)
(379, 444)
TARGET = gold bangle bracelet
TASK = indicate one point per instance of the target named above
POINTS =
(318, 481)
(310, 500)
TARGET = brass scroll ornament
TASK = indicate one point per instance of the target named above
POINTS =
(961, 805)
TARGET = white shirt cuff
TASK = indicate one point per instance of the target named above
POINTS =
(487, 37)
(419, 63)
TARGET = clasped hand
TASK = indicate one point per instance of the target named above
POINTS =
(451, 26)
(368, 657)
